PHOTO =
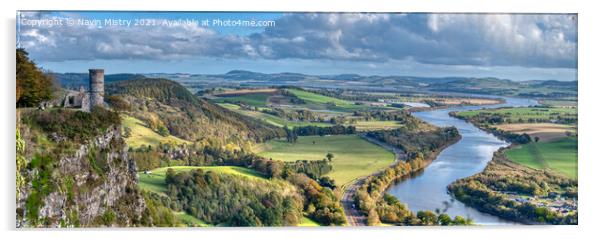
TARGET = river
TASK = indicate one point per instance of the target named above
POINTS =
(428, 190)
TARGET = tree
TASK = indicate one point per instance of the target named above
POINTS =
(444, 219)
(33, 86)
(329, 156)
(427, 217)
(162, 130)
(118, 103)
(373, 219)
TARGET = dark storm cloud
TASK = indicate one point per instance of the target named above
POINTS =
(450, 39)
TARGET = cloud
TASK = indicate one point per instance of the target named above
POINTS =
(162, 43)
(530, 40)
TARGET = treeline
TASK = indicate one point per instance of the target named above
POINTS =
(482, 123)
(416, 141)
(314, 169)
(293, 134)
(165, 155)
(500, 190)
(523, 138)
(295, 115)
(383, 115)
(420, 147)
(233, 200)
(320, 202)
(293, 99)
(387, 209)
(321, 131)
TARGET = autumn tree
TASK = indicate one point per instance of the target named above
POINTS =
(33, 86)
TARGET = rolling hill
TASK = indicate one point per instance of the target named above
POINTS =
(162, 103)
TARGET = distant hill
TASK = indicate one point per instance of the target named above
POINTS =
(470, 85)
(495, 86)
(161, 102)
(75, 80)
(243, 78)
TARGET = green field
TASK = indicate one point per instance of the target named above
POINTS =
(353, 156)
(315, 101)
(376, 125)
(317, 98)
(525, 113)
(307, 222)
(255, 99)
(142, 135)
(190, 221)
(559, 156)
(155, 181)
(560, 103)
(270, 119)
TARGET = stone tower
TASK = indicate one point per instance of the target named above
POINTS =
(97, 87)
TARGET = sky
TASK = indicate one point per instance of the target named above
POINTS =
(510, 46)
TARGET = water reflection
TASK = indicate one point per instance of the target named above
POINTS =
(427, 190)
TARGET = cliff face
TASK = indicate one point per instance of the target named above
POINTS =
(91, 184)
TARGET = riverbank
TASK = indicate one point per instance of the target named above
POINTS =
(427, 189)
(518, 193)
(377, 208)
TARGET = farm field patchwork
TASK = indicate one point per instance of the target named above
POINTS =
(315, 101)
(353, 156)
(525, 113)
(270, 119)
(544, 131)
(559, 156)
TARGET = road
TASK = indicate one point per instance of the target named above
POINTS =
(355, 217)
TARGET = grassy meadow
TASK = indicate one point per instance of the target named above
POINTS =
(142, 135)
(188, 220)
(376, 125)
(559, 156)
(353, 156)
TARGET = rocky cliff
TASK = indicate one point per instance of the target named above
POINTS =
(70, 184)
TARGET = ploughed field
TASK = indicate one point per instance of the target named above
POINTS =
(354, 157)
(544, 131)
